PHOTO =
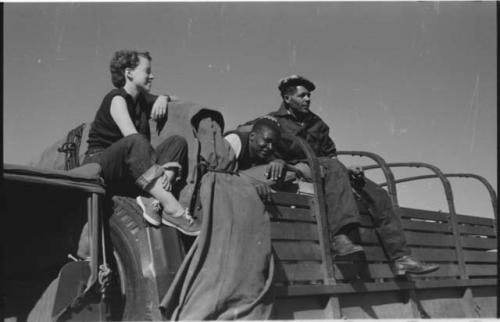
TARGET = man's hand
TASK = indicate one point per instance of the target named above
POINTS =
(263, 190)
(171, 174)
(159, 109)
(357, 177)
(276, 169)
(357, 169)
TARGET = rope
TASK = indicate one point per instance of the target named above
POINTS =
(104, 270)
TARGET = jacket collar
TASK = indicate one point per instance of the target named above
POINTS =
(283, 111)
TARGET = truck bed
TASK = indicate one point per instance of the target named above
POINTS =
(365, 287)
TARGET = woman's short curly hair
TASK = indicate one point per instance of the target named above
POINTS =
(124, 59)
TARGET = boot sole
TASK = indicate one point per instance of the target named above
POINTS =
(404, 272)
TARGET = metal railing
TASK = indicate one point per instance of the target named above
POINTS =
(382, 164)
(491, 191)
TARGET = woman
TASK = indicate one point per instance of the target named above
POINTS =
(119, 140)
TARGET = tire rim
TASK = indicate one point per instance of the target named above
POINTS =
(121, 273)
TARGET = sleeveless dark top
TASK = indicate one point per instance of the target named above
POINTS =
(104, 131)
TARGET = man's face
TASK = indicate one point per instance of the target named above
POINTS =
(299, 101)
(263, 142)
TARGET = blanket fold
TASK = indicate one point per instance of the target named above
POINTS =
(227, 274)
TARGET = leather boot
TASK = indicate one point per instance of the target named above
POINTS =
(342, 246)
(411, 265)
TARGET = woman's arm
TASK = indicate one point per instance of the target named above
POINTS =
(159, 109)
(120, 115)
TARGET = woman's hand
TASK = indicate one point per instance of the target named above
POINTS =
(159, 109)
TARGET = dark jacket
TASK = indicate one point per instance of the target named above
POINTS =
(312, 129)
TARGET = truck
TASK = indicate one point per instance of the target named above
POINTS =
(132, 264)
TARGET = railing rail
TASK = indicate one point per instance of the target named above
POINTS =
(491, 191)
(383, 165)
(452, 215)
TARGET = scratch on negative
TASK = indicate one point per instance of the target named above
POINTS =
(475, 110)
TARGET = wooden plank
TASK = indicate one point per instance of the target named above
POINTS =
(408, 224)
(442, 216)
(384, 271)
(481, 269)
(480, 256)
(435, 255)
(287, 198)
(425, 226)
(413, 238)
(404, 212)
(294, 231)
(477, 230)
(376, 253)
(293, 250)
(445, 270)
(370, 271)
(299, 272)
(299, 308)
(382, 305)
(463, 219)
(282, 213)
(366, 287)
(429, 239)
(479, 243)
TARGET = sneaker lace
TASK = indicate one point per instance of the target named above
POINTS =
(156, 205)
(188, 216)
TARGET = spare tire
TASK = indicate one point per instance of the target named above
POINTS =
(129, 297)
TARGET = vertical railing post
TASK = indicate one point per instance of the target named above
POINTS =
(318, 205)
(452, 216)
(491, 191)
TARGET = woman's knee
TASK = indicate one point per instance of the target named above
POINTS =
(178, 142)
(135, 139)
(173, 148)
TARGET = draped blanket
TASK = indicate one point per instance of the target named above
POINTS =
(227, 273)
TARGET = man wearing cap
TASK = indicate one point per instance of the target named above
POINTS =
(296, 119)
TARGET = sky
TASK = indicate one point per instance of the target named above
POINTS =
(410, 81)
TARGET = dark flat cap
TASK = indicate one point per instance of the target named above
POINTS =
(295, 80)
